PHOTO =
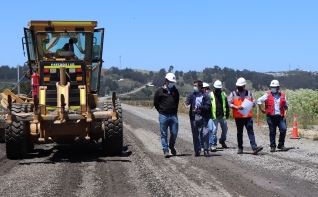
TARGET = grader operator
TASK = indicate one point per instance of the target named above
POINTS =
(65, 61)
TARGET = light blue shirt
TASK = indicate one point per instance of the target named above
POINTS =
(198, 99)
(276, 102)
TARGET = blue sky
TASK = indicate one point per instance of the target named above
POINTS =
(258, 35)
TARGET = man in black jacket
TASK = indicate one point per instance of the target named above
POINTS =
(166, 101)
(220, 114)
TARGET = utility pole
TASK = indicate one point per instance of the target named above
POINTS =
(18, 66)
(120, 62)
(121, 75)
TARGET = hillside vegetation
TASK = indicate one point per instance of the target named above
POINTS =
(299, 86)
(125, 80)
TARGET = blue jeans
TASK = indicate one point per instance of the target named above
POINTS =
(213, 136)
(212, 130)
(171, 121)
(274, 122)
(248, 123)
(200, 128)
(209, 128)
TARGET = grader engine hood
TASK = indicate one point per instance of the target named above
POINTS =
(65, 76)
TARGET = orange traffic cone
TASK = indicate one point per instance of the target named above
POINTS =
(295, 129)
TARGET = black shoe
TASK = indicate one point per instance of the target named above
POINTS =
(197, 154)
(257, 149)
(206, 153)
(223, 144)
(126, 153)
(173, 151)
(273, 149)
(282, 148)
(166, 153)
(240, 151)
(125, 148)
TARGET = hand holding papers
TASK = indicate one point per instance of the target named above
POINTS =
(247, 106)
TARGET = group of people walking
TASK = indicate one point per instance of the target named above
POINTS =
(210, 108)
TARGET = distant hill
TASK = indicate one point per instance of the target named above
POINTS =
(126, 80)
(294, 79)
(256, 81)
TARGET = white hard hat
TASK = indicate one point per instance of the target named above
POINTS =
(217, 84)
(171, 77)
(240, 81)
(205, 85)
(274, 83)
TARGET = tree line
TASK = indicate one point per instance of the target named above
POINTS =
(111, 77)
(260, 81)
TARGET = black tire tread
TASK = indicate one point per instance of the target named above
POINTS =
(2, 135)
(15, 136)
(113, 134)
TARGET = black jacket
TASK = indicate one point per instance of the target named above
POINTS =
(166, 102)
(219, 106)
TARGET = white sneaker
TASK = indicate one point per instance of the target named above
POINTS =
(213, 149)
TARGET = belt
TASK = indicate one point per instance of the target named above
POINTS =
(197, 112)
(274, 116)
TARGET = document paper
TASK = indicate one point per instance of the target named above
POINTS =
(247, 106)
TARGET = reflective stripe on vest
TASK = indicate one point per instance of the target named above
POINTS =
(213, 105)
(270, 104)
(237, 101)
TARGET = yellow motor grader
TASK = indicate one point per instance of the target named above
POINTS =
(65, 61)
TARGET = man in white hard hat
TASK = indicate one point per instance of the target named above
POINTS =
(242, 120)
(220, 112)
(166, 101)
(206, 87)
(276, 108)
(200, 114)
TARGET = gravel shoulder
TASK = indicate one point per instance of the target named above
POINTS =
(291, 173)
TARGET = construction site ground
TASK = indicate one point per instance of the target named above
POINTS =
(82, 169)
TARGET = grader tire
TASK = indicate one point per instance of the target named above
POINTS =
(2, 136)
(112, 144)
(2, 128)
(26, 107)
(16, 139)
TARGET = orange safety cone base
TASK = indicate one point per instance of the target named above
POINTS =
(295, 130)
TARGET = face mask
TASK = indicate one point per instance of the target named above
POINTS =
(170, 85)
(273, 90)
(195, 89)
(240, 88)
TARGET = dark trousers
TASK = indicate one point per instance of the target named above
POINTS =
(248, 124)
(274, 122)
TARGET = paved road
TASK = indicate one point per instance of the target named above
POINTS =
(131, 92)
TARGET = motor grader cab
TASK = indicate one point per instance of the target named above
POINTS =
(65, 61)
